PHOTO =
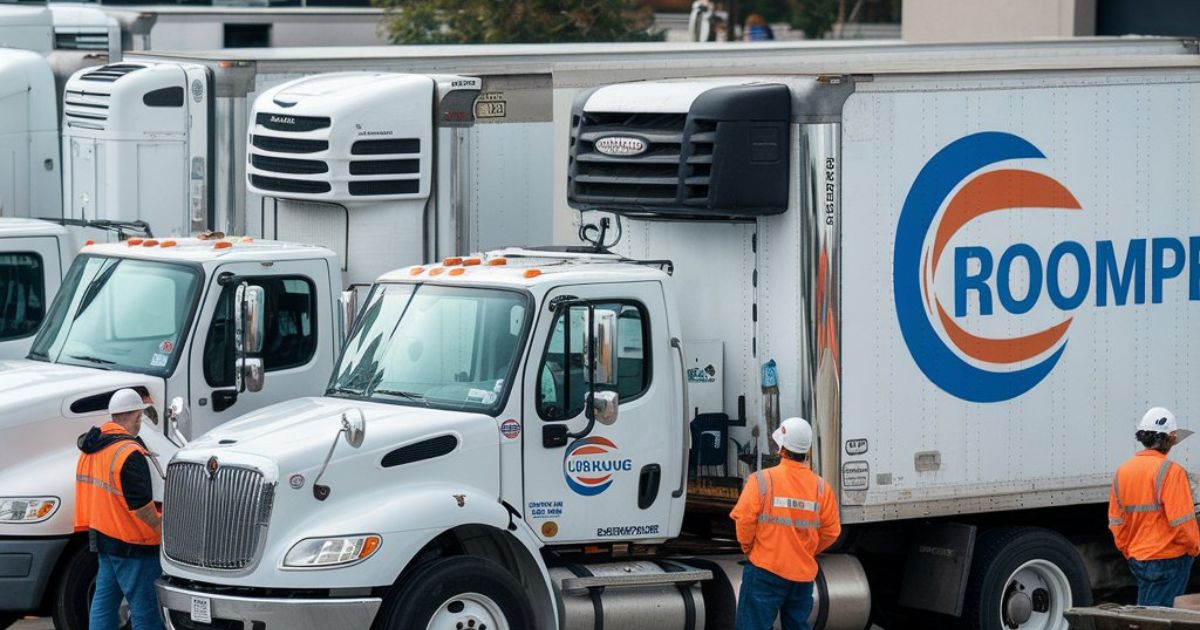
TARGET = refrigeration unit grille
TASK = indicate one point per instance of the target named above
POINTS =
(86, 109)
(214, 515)
(110, 73)
(302, 186)
(652, 174)
(97, 40)
(288, 165)
(277, 144)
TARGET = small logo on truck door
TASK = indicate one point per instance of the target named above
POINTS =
(621, 146)
(591, 464)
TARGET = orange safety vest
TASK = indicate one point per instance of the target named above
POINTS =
(99, 498)
(1150, 510)
(785, 516)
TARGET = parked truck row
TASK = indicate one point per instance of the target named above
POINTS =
(517, 437)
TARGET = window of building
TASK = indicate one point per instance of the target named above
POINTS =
(247, 35)
(563, 376)
(290, 338)
(22, 294)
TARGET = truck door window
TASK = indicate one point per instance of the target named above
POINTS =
(22, 294)
(291, 334)
(564, 372)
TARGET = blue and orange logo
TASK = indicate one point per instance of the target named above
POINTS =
(590, 464)
(991, 376)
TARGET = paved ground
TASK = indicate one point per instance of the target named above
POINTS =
(34, 624)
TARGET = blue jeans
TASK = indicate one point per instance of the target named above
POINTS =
(764, 595)
(1161, 581)
(132, 578)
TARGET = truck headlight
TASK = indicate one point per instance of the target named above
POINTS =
(27, 509)
(331, 552)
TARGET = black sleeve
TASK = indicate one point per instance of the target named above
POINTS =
(135, 481)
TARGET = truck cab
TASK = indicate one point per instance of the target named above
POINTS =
(33, 257)
(476, 404)
(163, 317)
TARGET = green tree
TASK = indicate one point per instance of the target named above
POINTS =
(517, 21)
(814, 17)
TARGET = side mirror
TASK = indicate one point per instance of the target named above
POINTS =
(249, 331)
(355, 429)
(604, 344)
(348, 301)
(253, 304)
(604, 407)
(179, 421)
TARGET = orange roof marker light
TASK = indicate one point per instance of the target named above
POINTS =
(497, 262)
(533, 273)
(150, 243)
(246, 239)
(168, 244)
(134, 242)
(222, 245)
(471, 262)
(436, 271)
(89, 243)
(452, 261)
(416, 271)
(457, 271)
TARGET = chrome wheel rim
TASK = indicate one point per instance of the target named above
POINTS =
(1035, 597)
(469, 611)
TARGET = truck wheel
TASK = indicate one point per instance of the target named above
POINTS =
(457, 593)
(71, 599)
(1024, 578)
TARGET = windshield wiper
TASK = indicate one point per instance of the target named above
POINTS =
(344, 390)
(402, 394)
(90, 359)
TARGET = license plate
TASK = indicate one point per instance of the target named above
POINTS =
(201, 610)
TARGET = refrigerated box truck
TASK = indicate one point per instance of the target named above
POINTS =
(970, 275)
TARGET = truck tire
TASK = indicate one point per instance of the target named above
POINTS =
(1024, 578)
(71, 598)
(457, 592)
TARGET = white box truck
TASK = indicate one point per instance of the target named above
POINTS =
(971, 276)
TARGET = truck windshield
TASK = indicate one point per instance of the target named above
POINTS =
(119, 314)
(435, 346)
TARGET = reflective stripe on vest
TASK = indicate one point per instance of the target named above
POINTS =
(768, 499)
(1144, 507)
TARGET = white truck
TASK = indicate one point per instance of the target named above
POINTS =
(159, 316)
(504, 442)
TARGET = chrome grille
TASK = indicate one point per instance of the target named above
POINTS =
(214, 522)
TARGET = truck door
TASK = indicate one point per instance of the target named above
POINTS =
(297, 347)
(604, 479)
(30, 274)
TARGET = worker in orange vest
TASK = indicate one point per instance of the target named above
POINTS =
(1151, 515)
(786, 515)
(114, 504)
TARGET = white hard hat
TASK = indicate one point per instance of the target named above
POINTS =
(1158, 420)
(794, 434)
(124, 401)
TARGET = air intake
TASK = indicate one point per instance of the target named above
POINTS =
(726, 157)
(97, 40)
(110, 73)
(87, 109)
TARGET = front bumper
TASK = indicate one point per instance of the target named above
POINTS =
(263, 613)
(26, 565)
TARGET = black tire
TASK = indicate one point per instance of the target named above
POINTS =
(411, 605)
(71, 599)
(8, 619)
(999, 553)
